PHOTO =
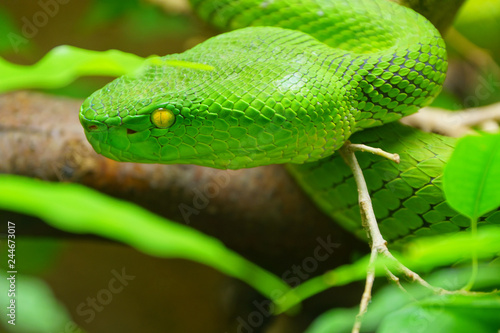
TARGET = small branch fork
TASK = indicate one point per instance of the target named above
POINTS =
(378, 244)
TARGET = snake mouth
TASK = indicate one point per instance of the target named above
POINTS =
(215, 159)
(130, 131)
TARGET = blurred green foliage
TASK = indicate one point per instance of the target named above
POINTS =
(37, 309)
(7, 26)
(63, 64)
(135, 26)
(471, 180)
(421, 255)
(394, 311)
(141, 20)
(80, 210)
(57, 204)
(479, 21)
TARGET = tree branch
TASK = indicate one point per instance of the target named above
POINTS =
(259, 212)
(453, 123)
(441, 13)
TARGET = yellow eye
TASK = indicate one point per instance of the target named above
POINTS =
(162, 118)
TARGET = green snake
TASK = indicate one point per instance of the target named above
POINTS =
(290, 83)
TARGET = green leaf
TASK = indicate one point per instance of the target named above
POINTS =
(471, 180)
(335, 320)
(37, 309)
(390, 300)
(78, 209)
(430, 252)
(448, 313)
(63, 64)
(422, 254)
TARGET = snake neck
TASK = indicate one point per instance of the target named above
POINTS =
(394, 61)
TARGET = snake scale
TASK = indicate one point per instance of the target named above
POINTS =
(289, 83)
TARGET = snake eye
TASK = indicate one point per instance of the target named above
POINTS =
(162, 118)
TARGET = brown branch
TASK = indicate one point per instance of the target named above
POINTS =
(456, 124)
(259, 212)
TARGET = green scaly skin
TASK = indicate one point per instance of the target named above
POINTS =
(294, 93)
(407, 197)
(268, 95)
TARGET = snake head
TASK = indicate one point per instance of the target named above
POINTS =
(133, 119)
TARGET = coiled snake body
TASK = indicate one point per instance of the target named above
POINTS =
(290, 84)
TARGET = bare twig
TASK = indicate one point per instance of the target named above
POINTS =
(367, 293)
(370, 224)
(455, 124)
(411, 275)
(394, 279)
(367, 214)
(378, 244)
(376, 151)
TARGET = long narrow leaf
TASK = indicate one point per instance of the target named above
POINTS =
(64, 64)
(78, 209)
(421, 254)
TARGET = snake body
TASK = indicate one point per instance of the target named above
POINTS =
(291, 83)
(407, 198)
(270, 95)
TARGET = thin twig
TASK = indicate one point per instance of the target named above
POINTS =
(378, 244)
(367, 293)
(394, 279)
(367, 214)
(376, 151)
(370, 224)
(414, 277)
(455, 124)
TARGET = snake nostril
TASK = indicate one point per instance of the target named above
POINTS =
(92, 128)
(130, 131)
